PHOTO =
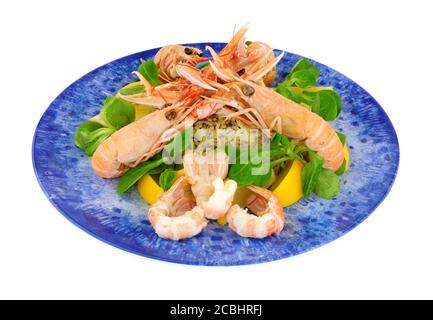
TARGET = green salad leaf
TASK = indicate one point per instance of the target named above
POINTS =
(243, 173)
(304, 64)
(134, 174)
(303, 74)
(90, 135)
(330, 104)
(149, 70)
(289, 93)
(301, 86)
(311, 172)
(167, 178)
(117, 112)
(328, 184)
(130, 90)
(282, 150)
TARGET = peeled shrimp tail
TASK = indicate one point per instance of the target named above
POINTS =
(206, 173)
(267, 217)
(175, 215)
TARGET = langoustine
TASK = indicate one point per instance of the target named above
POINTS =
(293, 120)
(276, 111)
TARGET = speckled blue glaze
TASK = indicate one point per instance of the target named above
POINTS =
(65, 175)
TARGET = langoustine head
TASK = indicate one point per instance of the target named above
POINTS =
(168, 57)
(175, 215)
(255, 61)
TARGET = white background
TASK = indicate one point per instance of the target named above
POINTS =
(384, 46)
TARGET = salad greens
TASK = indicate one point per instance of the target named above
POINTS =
(134, 174)
(281, 150)
(311, 172)
(328, 184)
(167, 178)
(130, 90)
(242, 173)
(315, 178)
(90, 135)
(115, 114)
(149, 70)
(300, 86)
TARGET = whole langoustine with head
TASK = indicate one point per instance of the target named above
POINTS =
(289, 117)
(206, 173)
(267, 217)
(137, 141)
(175, 215)
(168, 57)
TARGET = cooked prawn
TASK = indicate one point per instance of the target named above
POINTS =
(206, 174)
(267, 217)
(175, 215)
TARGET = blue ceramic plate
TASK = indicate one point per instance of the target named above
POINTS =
(65, 175)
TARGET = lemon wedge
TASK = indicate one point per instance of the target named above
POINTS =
(288, 186)
(149, 189)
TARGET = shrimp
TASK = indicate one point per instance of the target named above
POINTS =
(267, 218)
(168, 57)
(175, 215)
(136, 142)
(206, 174)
